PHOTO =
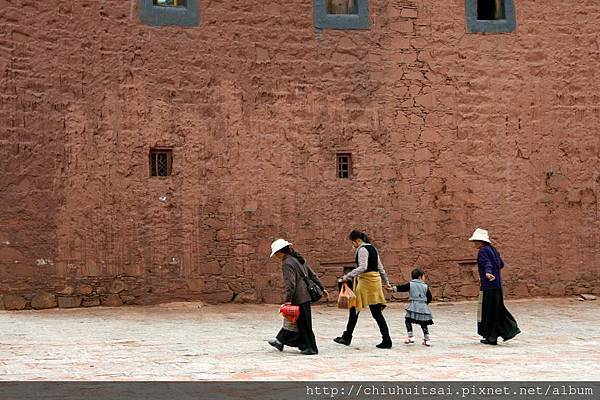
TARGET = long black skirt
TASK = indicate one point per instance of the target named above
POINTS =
(494, 320)
(305, 337)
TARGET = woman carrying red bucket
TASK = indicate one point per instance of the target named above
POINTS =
(297, 300)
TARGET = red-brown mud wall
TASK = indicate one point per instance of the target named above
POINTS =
(448, 131)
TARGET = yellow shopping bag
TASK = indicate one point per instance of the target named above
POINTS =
(347, 298)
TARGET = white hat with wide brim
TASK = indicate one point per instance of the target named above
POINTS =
(481, 235)
(278, 245)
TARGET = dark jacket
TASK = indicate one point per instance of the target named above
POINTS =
(296, 291)
(489, 261)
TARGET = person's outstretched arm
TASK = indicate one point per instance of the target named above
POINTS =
(384, 276)
(402, 288)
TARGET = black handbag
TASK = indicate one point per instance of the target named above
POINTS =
(314, 290)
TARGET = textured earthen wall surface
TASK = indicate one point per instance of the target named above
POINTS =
(448, 131)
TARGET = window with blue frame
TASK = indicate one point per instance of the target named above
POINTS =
(170, 12)
(492, 16)
(341, 14)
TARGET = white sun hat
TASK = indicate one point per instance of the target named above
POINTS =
(278, 245)
(482, 235)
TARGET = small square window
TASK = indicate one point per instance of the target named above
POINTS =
(170, 12)
(493, 16)
(341, 14)
(161, 162)
(342, 7)
(344, 165)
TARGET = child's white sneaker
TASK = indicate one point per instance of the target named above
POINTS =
(409, 340)
(426, 342)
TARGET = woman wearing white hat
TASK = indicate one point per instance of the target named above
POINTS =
(295, 268)
(493, 319)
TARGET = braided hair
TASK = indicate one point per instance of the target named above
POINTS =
(290, 251)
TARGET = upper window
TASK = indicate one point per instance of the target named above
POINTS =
(492, 16)
(170, 12)
(169, 3)
(490, 10)
(341, 14)
(342, 7)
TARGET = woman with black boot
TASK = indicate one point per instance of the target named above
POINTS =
(368, 277)
(494, 319)
(295, 268)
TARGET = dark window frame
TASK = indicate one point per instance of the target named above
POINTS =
(153, 162)
(475, 25)
(324, 20)
(187, 14)
(343, 160)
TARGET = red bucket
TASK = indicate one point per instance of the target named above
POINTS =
(290, 312)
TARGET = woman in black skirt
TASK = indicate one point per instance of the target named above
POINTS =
(294, 269)
(493, 319)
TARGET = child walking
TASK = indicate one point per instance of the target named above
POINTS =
(417, 311)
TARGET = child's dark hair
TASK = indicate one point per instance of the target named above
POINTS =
(355, 234)
(289, 250)
(417, 273)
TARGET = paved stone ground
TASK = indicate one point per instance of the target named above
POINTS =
(188, 341)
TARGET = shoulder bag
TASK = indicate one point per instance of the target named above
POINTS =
(314, 290)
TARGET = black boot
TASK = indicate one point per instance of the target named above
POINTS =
(345, 339)
(277, 344)
(386, 343)
(309, 352)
